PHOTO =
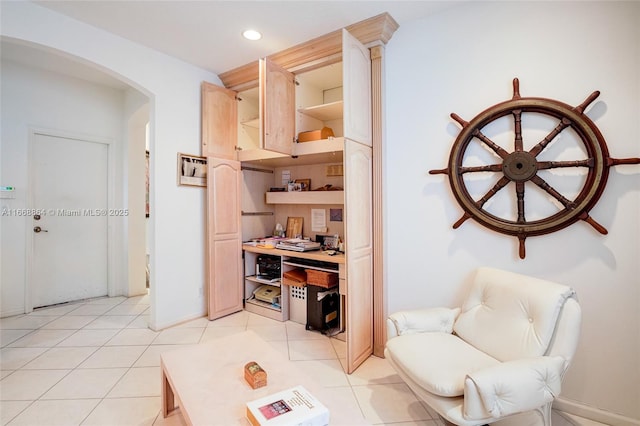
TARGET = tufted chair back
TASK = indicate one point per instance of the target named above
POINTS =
(510, 316)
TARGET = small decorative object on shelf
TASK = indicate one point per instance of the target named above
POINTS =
(314, 135)
(305, 183)
(295, 406)
(524, 167)
(255, 375)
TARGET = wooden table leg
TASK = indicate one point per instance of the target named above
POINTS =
(168, 400)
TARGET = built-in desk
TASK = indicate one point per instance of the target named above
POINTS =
(289, 260)
(313, 255)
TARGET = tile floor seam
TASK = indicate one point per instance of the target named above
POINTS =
(23, 410)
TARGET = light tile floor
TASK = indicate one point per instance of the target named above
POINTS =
(95, 362)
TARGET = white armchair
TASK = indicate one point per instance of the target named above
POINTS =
(503, 353)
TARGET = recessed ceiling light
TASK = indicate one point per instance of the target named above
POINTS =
(252, 35)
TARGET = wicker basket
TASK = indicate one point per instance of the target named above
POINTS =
(321, 278)
(296, 277)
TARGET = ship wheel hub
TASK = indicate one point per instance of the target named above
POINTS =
(519, 166)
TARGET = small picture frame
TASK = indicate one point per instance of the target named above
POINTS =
(328, 242)
(335, 215)
(192, 170)
(304, 183)
(294, 227)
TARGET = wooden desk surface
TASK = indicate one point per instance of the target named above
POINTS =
(207, 381)
(314, 254)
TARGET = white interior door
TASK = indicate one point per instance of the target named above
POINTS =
(69, 189)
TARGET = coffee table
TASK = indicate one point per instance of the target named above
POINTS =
(207, 381)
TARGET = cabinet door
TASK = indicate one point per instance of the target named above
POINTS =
(359, 252)
(356, 74)
(224, 237)
(219, 121)
(277, 107)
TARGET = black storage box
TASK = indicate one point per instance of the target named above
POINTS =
(323, 314)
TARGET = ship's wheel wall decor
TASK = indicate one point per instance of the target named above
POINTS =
(521, 166)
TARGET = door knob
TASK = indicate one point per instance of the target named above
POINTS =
(37, 229)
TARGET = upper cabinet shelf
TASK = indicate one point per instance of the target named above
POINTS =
(315, 152)
(306, 197)
(255, 123)
(325, 112)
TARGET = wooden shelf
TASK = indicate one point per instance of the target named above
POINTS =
(264, 309)
(255, 123)
(259, 155)
(254, 279)
(306, 197)
(324, 112)
(319, 147)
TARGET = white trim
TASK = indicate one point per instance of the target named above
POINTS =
(592, 413)
(162, 326)
(12, 312)
(111, 263)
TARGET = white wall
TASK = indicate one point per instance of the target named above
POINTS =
(36, 99)
(463, 61)
(177, 213)
(137, 110)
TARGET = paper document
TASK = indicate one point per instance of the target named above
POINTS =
(318, 220)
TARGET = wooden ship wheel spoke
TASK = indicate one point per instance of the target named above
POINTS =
(522, 166)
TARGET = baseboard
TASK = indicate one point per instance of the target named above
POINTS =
(11, 312)
(592, 413)
(162, 326)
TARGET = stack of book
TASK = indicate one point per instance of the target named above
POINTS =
(298, 244)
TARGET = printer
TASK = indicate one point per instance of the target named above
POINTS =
(268, 267)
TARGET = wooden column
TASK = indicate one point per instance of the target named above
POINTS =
(379, 291)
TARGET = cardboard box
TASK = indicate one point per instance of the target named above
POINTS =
(295, 406)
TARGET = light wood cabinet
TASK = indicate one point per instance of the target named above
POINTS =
(262, 117)
(358, 252)
(224, 238)
(277, 112)
(235, 137)
(218, 110)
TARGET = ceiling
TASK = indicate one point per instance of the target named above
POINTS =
(207, 33)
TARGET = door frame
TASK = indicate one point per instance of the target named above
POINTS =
(29, 234)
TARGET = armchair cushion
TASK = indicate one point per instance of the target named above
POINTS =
(422, 320)
(504, 318)
(437, 362)
(512, 387)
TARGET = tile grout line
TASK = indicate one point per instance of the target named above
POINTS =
(39, 398)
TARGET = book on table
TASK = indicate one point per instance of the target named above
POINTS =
(294, 406)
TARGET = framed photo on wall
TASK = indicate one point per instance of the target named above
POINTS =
(192, 170)
(304, 183)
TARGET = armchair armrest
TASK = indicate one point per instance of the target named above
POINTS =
(512, 387)
(421, 321)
